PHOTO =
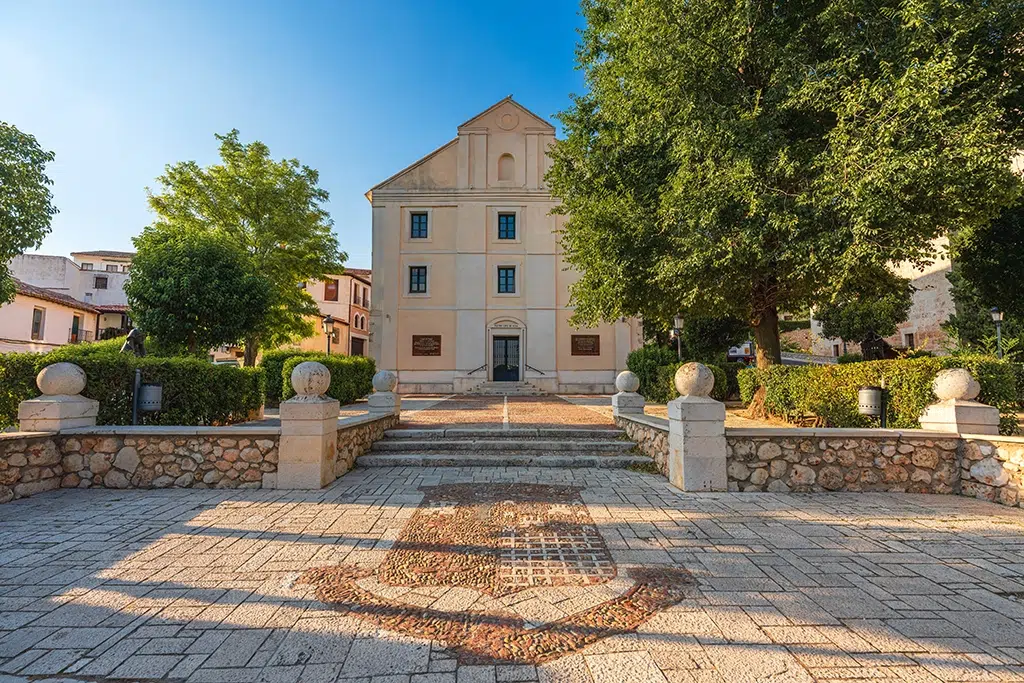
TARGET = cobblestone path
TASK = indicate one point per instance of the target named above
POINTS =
(493, 411)
(611, 576)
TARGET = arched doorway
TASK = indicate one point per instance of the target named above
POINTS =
(506, 349)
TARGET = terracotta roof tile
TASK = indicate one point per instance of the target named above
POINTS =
(34, 292)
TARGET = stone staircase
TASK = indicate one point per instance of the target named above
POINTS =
(497, 447)
(506, 389)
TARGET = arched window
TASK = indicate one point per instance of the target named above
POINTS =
(506, 167)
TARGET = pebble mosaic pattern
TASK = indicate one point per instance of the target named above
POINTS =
(499, 539)
(500, 638)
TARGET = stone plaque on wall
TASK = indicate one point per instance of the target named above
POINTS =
(586, 345)
(426, 345)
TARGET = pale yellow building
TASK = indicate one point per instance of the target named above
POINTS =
(469, 283)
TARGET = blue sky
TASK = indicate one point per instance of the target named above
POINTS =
(357, 90)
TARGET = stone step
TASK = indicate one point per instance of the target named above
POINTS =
(555, 445)
(570, 460)
(499, 433)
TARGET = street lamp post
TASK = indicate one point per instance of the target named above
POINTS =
(997, 318)
(677, 323)
(329, 331)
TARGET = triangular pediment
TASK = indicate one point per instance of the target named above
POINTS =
(437, 170)
(506, 116)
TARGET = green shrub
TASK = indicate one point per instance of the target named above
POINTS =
(195, 392)
(665, 389)
(732, 371)
(272, 363)
(1018, 370)
(17, 384)
(646, 364)
(850, 358)
(351, 376)
(749, 383)
(830, 391)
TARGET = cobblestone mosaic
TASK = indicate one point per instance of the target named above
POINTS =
(500, 637)
(500, 539)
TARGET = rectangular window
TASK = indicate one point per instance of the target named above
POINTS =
(908, 340)
(86, 266)
(506, 226)
(111, 268)
(418, 229)
(38, 316)
(835, 350)
(330, 290)
(124, 269)
(506, 280)
(100, 282)
(366, 297)
(417, 279)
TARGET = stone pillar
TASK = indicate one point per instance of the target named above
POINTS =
(62, 405)
(696, 433)
(956, 409)
(627, 401)
(309, 431)
(384, 400)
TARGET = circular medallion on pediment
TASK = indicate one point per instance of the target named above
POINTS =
(508, 120)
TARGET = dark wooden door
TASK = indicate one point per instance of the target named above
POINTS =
(358, 346)
(506, 359)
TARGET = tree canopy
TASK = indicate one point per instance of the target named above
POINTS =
(26, 203)
(272, 209)
(194, 290)
(746, 158)
(873, 309)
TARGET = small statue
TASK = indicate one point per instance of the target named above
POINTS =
(134, 343)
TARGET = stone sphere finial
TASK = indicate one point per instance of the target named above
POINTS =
(627, 381)
(956, 383)
(385, 380)
(694, 379)
(311, 379)
(59, 379)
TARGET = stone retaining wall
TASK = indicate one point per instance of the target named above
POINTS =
(651, 437)
(992, 468)
(139, 460)
(355, 436)
(29, 464)
(915, 461)
(844, 460)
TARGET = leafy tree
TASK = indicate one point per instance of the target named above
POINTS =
(195, 289)
(746, 158)
(709, 338)
(274, 210)
(26, 203)
(873, 309)
(988, 272)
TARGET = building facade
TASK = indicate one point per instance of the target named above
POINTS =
(470, 282)
(346, 299)
(94, 278)
(39, 320)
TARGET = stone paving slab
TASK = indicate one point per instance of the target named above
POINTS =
(204, 585)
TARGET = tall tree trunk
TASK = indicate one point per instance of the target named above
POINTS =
(252, 347)
(766, 337)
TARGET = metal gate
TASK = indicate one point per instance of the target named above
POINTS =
(506, 359)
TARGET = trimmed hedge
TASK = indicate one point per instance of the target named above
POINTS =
(665, 389)
(351, 376)
(195, 392)
(646, 363)
(830, 391)
(272, 363)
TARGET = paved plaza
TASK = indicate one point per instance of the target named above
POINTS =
(457, 575)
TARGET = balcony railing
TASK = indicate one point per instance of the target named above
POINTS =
(78, 336)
